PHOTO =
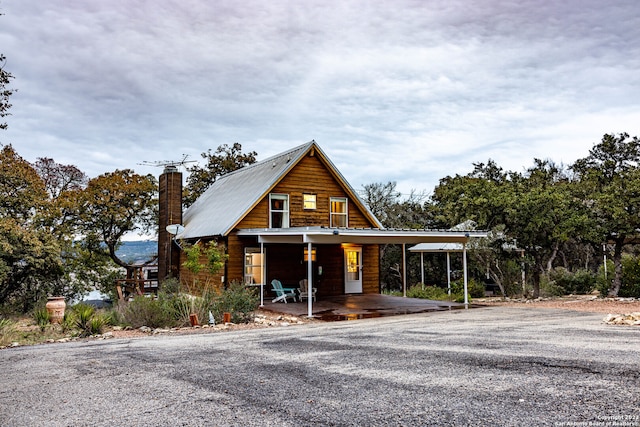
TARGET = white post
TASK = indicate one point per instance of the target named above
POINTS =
(524, 280)
(604, 251)
(262, 274)
(309, 281)
(404, 271)
(422, 268)
(464, 269)
(448, 273)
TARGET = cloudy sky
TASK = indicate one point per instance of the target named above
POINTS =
(404, 90)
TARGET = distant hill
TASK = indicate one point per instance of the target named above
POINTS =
(142, 250)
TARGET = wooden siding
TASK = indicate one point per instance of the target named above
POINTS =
(371, 269)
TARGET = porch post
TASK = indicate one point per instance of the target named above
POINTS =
(262, 274)
(449, 273)
(464, 269)
(309, 281)
(404, 270)
(422, 268)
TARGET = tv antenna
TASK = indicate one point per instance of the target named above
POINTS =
(168, 163)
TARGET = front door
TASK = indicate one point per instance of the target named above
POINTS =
(353, 270)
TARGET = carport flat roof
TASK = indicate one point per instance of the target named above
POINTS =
(325, 235)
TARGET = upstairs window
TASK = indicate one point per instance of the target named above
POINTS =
(339, 215)
(278, 210)
(309, 201)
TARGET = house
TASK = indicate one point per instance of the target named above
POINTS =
(290, 217)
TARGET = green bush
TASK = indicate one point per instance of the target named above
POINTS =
(630, 277)
(237, 299)
(580, 282)
(147, 311)
(549, 288)
(427, 292)
(437, 293)
(475, 289)
(630, 286)
(96, 324)
(42, 318)
(68, 321)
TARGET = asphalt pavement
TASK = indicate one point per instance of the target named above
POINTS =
(495, 366)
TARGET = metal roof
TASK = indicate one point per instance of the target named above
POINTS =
(232, 196)
(438, 247)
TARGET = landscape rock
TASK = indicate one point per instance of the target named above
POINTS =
(632, 319)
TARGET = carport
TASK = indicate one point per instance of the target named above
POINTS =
(447, 248)
(345, 236)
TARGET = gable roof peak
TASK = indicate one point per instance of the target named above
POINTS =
(217, 211)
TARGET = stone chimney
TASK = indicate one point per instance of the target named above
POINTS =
(170, 213)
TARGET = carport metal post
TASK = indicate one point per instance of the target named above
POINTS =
(309, 281)
(448, 273)
(262, 274)
(464, 269)
(422, 269)
(404, 270)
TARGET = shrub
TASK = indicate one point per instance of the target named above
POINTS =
(427, 292)
(630, 286)
(68, 321)
(549, 288)
(237, 299)
(580, 282)
(83, 313)
(96, 324)
(145, 311)
(42, 318)
(475, 289)
(630, 277)
(7, 332)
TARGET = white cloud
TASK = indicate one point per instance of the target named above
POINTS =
(406, 91)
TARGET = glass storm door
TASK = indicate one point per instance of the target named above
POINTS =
(353, 270)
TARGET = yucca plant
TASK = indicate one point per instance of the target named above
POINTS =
(42, 318)
(68, 321)
(96, 324)
(83, 314)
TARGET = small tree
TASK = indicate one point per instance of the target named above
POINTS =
(610, 187)
(225, 159)
(114, 204)
(203, 257)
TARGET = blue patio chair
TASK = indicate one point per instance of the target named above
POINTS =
(282, 293)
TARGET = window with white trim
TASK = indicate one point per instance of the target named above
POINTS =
(278, 210)
(339, 212)
(309, 201)
(252, 266)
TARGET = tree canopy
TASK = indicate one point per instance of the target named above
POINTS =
(224, 160)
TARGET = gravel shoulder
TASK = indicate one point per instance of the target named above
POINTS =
(497, 365)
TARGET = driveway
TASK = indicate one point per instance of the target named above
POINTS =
(488, 366)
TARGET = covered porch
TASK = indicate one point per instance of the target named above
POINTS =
(310, 236)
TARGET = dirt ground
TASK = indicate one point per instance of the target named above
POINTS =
(587, 303)
(268, 319)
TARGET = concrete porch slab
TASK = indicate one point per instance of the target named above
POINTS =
(349, 307)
